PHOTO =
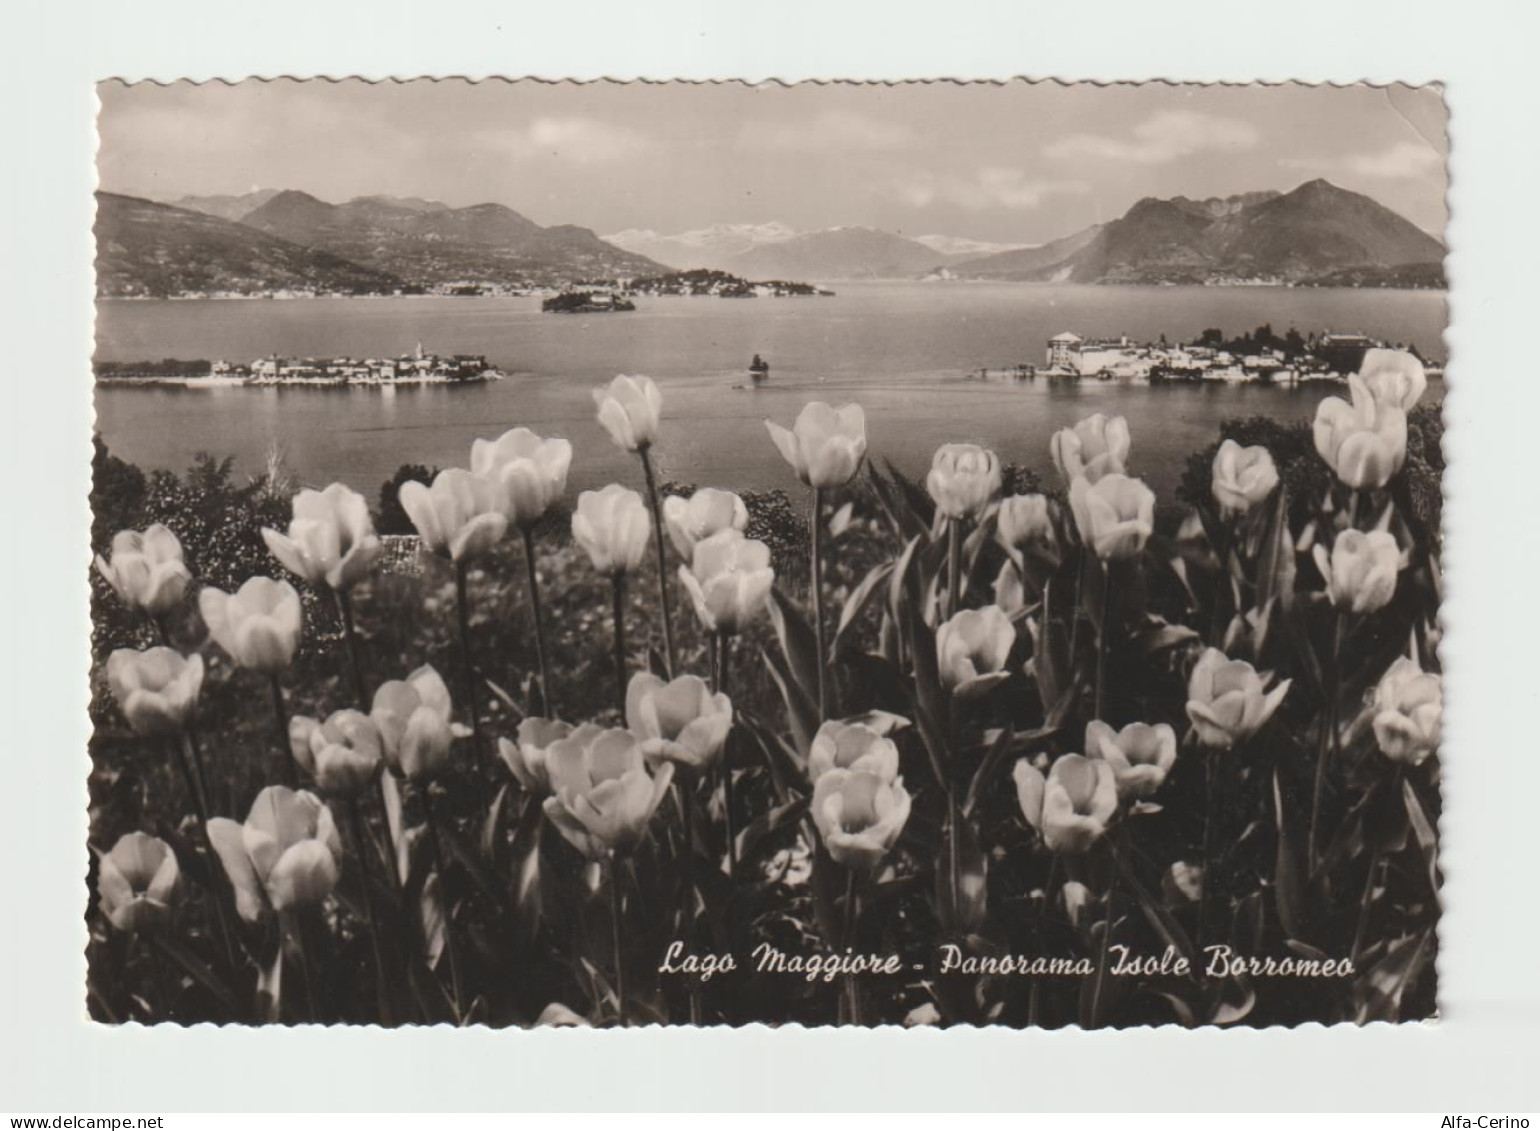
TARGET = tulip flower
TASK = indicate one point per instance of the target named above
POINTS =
(1183, 883)
(1395, 377)
(331, 539)
(971, 650)
(1096, 446)
(679, 720)
(146, 570)
(1010, 593)
(559, 1016)
(859, 815)
(1140, 755)
(707, 512)
(531, 472)
(629, 408)
(1030, 786)
(156, 689)
(1408, 713)
(825, 446)
(728, 581)
(285, 857)
(258, 626)
(854, 746)
(963, 479)
(1242, 477)
(460, 517)
(414, 720)
(1115, 515)
(1080, 796)
(611, 525)
(1025, 524)
(603, 794)
(341, 754)
(1360, 570)
(526, 757)
(136, 881)
(1363, 442)
(1226, 701)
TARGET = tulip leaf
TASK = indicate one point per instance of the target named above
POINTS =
(1164, 636)
(801, 711)
(1275, 561)
(1159, 917)
(962, 886)
(1423, 830)
(489, 826)
(435, 924)
(269, 1003)
(199, 972)
(856, 603)
(905, 523)
(472, 863)
(1288, 877)
(783, 762)
(1378, 992)
(799, 645)
(763, 830)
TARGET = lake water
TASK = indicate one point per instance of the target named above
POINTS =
(903, 350)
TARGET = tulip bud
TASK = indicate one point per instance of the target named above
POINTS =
(1363, 442)
(341, 754)
(258, 626)
(285, 857)
(1096, 446)
(156, 689)
(859, 815)
(1226, 702)
(1025, 525)
(531, 472)
(629, 408)
(1010, 593)
(1115, 515)
(135, 883)
(680, 721)
(146, 570)
(1360, 571)
(825, 446)
(460, 517)
(1395, 377)
(963, 479)
(971, 650)
(1140, 755)
(414, 717)
(728, 581)
(526, 757)
(1408, 713)
(852, 746)
(1242, 477)
(558, 1016)
(1080, 796)
(707, 512)
(604, 796)
(1183, 883)
(1030, 785)
(331, 540)
(613, 528)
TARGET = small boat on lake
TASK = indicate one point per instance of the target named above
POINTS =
(759, 370)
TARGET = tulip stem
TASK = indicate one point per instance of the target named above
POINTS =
(350, 634)
(443, 894)
(463, 605)
(622, 1012)
(852, 921)
(534, 606)
(1102, 638)
(1376, 863)
(285, 757)
(364, 846)
(1095, 1018)
(1211, 776)
(185, 752)
(657, 535)
(684, 782)
(619, 593)
(816, 569)
(1328, 750)
(724, 677)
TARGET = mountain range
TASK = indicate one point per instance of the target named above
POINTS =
(270, 240)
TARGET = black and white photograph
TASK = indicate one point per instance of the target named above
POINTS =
(623, 554)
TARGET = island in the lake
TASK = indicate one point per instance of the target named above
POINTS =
(416, 368)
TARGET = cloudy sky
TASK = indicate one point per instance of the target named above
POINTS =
(1020, 163)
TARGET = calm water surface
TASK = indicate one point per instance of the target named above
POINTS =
(903, 350)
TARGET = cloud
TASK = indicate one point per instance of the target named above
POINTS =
(586, 141)
(992, 186)
(832, 131)
(1402, 161)
(1160, 138)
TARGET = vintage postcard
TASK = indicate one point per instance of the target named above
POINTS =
(853, 554)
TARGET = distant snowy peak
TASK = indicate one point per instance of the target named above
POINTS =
(960, 245)
(701, 247)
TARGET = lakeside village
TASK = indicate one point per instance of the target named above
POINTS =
(608, 296)
(1260, 357)
(416, 368)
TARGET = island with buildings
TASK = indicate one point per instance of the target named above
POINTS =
(417, 368)
(1260, 357)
